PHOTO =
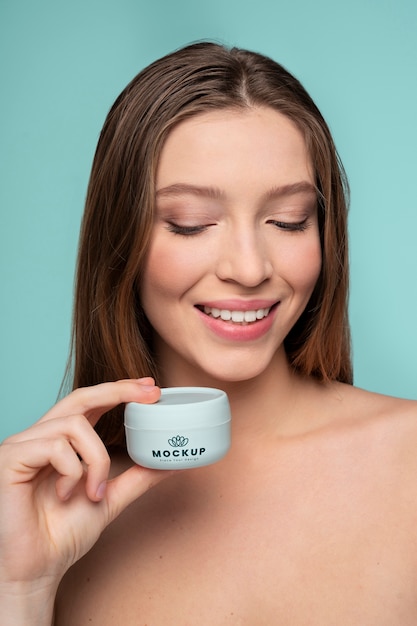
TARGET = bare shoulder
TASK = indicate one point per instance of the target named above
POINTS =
(337, 406)
(358, 402)
(387, 423)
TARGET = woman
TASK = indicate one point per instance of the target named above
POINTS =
(213, 253)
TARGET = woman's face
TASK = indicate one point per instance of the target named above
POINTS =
(235, 250)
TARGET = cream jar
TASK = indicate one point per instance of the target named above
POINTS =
(188, 427)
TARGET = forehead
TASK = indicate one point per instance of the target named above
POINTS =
(235, 145)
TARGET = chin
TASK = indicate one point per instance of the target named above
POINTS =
(210, 369)
(234, 373)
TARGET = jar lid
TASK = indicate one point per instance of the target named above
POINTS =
(181, 407)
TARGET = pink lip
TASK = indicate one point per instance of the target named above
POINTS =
(239, 305)
(238, 332)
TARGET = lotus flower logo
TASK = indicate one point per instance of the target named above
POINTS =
(178, 441)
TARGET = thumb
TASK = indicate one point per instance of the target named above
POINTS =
(130, 485)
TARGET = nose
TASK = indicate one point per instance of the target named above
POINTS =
(243, 258)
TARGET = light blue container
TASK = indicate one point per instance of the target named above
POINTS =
(188, 427)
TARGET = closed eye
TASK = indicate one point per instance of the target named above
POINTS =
(290, 226)
(187, 231)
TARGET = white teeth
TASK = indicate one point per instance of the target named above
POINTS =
(237, 316)
(250, 316)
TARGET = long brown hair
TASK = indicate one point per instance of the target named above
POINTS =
(111, 336)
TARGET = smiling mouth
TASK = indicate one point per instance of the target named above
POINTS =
(237, 317)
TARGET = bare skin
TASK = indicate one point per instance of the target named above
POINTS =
(310, 523)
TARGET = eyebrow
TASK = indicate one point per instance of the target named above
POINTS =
(181, 189)
(292, 189)
(184, 189)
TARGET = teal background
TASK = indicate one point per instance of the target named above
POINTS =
(63, 64)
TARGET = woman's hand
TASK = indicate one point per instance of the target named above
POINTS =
(54, 506)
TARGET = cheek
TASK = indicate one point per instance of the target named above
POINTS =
(169, 269)
(303, 264)
(313, 256)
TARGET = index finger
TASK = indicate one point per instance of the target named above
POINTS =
(93, 401)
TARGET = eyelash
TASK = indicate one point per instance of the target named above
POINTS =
(188, 231)
(290, 226)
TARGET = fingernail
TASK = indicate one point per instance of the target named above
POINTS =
(101, 490)
(147, 381)
(147, 384)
